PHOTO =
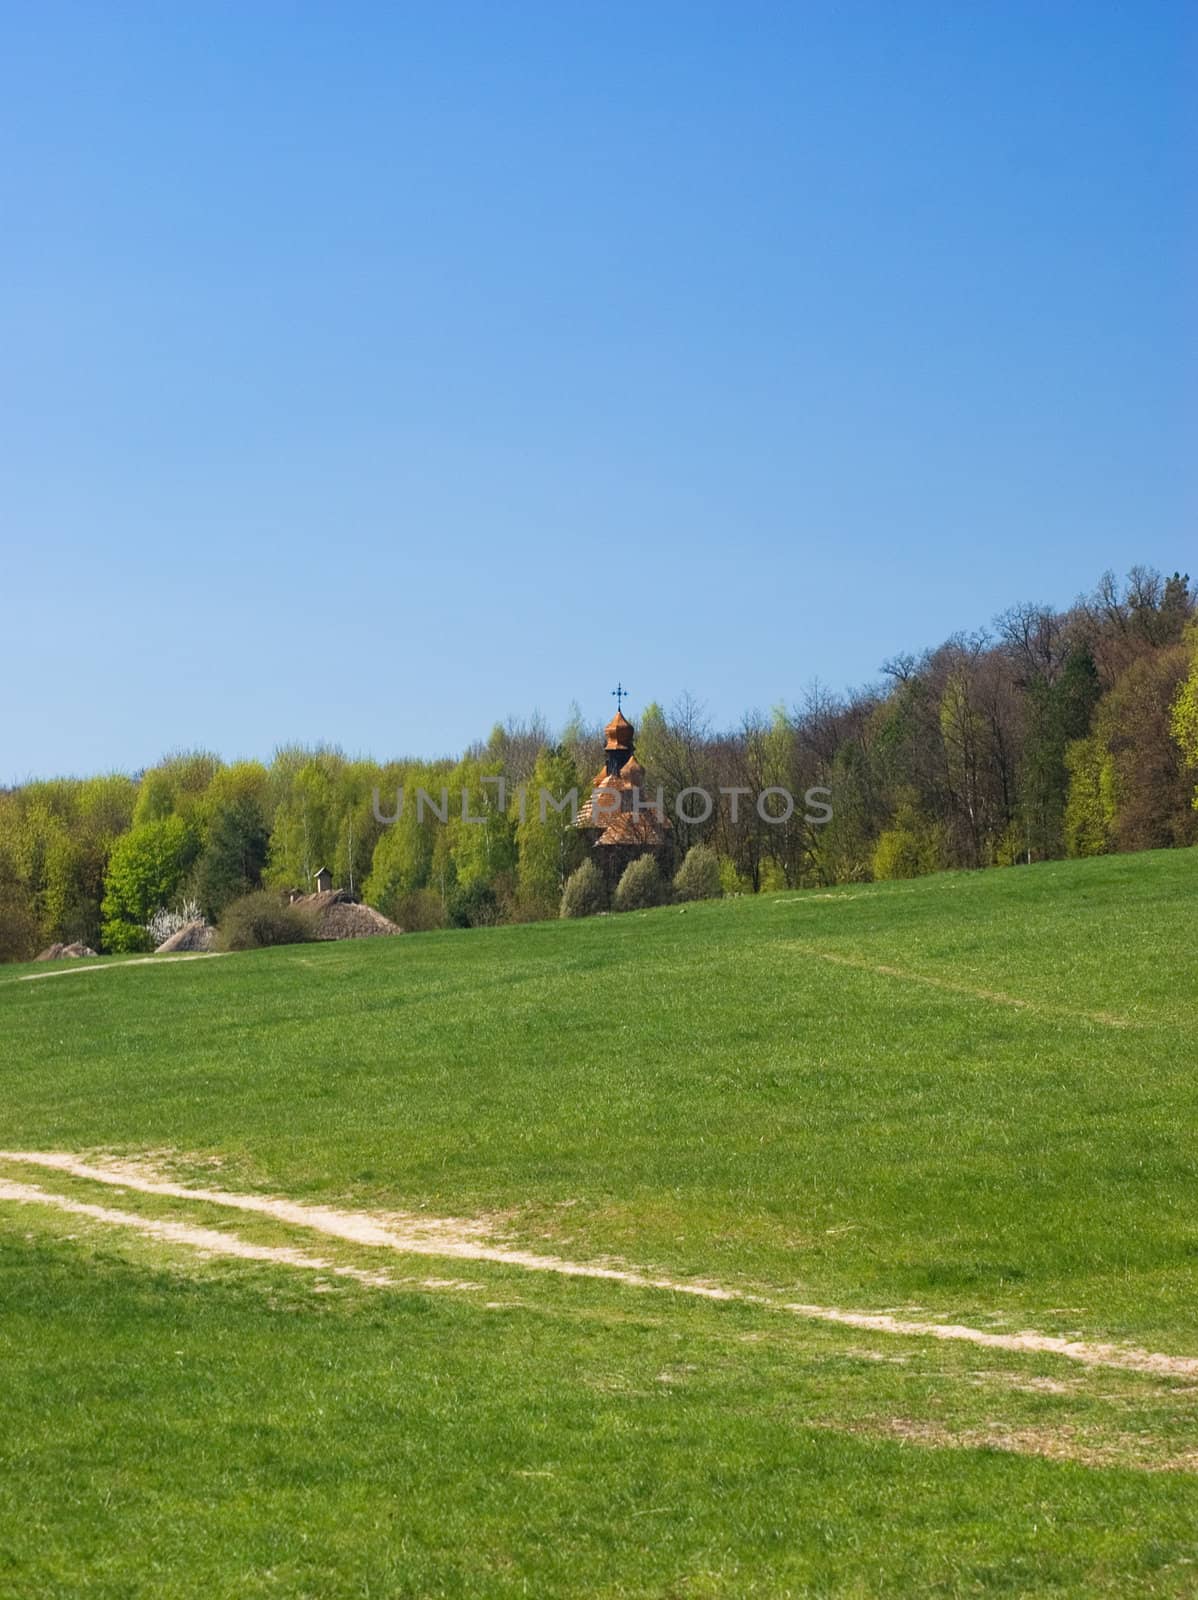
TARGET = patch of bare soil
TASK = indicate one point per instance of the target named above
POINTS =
(1054, 1444)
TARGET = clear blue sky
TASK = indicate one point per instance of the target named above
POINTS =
(371, 373)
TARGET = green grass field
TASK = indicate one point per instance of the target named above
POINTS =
(966, 1100)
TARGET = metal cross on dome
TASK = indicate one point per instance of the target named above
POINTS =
(621, 693)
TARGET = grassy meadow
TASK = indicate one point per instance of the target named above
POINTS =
(968, 1099)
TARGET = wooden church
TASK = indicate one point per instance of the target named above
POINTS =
(620, 822)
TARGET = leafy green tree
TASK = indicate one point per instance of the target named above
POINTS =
(549, 847)
(907, 745)
(1090, 806)
(106, 806)
(845, 845)
(1151, 788)
(358, 831)
(46, 858)
(1184, 712)
(483, 849)
(233, 859)
(963, 732)
(18, 926)
(674, 750)
(155, 797)
(146, 870)
(791, 845)
(402, 864)
(306, 822)
(56, 839)
(177, 786)
(102, 812)
(239, 780)
(909, 848)
(1059, 711)
(1128, 787)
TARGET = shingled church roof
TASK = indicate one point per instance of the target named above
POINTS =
(620, 817)
(619, 733)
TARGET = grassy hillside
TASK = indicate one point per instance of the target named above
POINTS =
(967, 1099)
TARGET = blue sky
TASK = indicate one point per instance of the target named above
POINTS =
(374, 373)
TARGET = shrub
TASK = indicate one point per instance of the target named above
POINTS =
(698, 878)
(585, 893)
(124, 938)
(909, 849)
(771, 876)
(418, 912)
(1010, 848)
(733, 881)
(473, 907)
(260, 919)
(640, 886)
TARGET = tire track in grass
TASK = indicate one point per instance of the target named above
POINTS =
(211, 1241)
(1060, 1444)
(119, 966)
(1105, 1019)
(463, 1240)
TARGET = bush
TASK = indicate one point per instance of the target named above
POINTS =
(420, 911)
(909, 849)
(261, 919)
(771, 876)
(698, 878)
(641, 886)
(474, 907)
(585, 893)
(732, 880)
(125, 938)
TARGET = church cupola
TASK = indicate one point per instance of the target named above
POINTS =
(621, 825)
(617, 744)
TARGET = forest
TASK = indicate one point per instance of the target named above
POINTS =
(1051, 734)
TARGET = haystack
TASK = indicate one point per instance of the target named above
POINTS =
(65, 952)
(191, 936)
(336, 914)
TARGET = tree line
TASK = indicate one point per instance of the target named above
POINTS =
(1053, 733)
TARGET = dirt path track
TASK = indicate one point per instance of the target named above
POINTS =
(460, 1239)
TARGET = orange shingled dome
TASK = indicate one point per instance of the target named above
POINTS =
(619, 733)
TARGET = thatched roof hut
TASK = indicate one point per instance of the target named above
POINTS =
(336, 914)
